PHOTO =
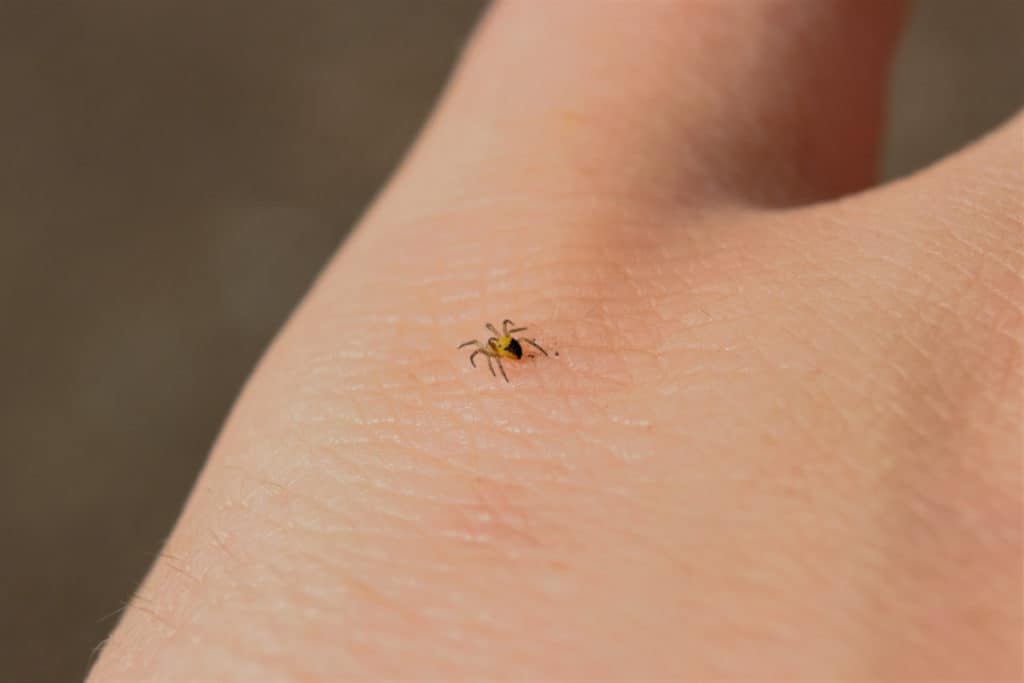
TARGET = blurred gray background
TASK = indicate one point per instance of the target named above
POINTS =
(172, 176)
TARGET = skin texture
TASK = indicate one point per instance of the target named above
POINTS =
(782, 438)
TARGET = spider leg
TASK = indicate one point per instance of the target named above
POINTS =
(491, 365)
(502, 368)
(518, 329)
(471, 341)
(473, 355)
(505, 324)
(493, 330)
(535, 345)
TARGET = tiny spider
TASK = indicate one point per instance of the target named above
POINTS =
(501, 345)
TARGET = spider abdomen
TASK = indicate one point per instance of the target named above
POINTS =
(514, 348)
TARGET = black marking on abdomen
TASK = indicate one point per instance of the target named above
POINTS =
(515, 349)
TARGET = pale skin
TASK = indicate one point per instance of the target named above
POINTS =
(782, 439)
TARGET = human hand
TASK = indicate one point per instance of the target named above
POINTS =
(782, 435)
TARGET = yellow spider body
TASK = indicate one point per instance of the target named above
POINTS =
(501, 345)
(508, 347)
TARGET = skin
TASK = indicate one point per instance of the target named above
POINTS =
(782, 438)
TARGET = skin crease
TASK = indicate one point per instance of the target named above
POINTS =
(782, 438)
